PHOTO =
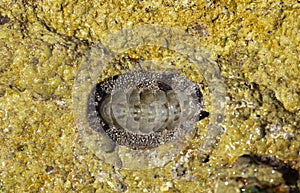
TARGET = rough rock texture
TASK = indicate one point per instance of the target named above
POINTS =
(256, 45)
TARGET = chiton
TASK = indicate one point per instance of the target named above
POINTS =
(144, 109)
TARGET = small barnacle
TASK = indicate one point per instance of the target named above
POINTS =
(146, 109)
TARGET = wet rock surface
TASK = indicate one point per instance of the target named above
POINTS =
(254, 44)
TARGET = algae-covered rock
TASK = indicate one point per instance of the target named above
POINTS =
(255, 46)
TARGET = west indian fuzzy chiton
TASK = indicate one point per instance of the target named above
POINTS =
(142, 111)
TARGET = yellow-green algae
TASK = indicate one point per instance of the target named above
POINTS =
(256, 44)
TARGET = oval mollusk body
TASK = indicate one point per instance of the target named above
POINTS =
(147, 110)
